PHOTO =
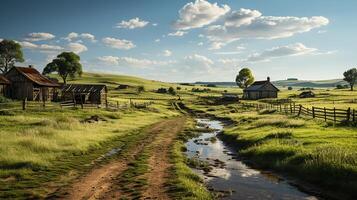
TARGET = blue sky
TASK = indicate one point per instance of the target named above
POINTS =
(189, 40)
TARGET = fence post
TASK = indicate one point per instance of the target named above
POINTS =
(294, 107)
(334, 114)
(348, 114)
(325, 113)
(24, 104)
(353, 115)
(117, 104)
(313, 112)
(280, 107)
(300, 107)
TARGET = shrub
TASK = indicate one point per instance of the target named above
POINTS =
(161, 90)
(141, 89)
(290, 88)
(4, 99)
(178, 88)
(172, 91)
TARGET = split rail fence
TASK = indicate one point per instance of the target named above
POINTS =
(327, 114)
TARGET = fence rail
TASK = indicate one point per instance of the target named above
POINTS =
(326, 114)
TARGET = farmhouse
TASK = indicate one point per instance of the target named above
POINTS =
(3, 83)
(260, 90)
(28, 83)
(85, 93)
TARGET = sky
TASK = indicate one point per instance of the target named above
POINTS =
(187, 41)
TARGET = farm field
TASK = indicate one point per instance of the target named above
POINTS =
(53, 152)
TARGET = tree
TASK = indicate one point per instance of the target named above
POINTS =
(141, 89)
(171, 91)
(10, 52)
(65, 64)
(244, 78)
(351, 77)
(290, 88)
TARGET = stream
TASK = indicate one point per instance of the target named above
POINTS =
(230, 176)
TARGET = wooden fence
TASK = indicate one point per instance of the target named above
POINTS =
(326, 114)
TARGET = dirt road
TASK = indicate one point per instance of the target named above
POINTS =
(103, 182)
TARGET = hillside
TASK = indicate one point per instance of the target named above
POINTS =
(293, 83)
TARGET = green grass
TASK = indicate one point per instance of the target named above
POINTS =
(185, 183)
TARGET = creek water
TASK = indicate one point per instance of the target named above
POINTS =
(231, 176)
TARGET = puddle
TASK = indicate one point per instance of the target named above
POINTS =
(233, 177)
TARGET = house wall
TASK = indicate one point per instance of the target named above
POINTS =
(20, 87)
(90, 98)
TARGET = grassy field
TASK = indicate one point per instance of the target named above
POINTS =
(43, 149)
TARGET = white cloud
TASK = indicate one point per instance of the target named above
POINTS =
(132, 23)
(282, 51)
(72, 36)
(118, 43)
(77, 47)
(200, 44)
(228, 52)
(199, 14)
(155, 24)
(264, 27)
(157, 40)
(45, 48)
(241, 17)
(216, 45)
(198, 63)
(33, 37)
(167, 53)
(132, 62)
(177, 33)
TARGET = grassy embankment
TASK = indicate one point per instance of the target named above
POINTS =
(310, 150)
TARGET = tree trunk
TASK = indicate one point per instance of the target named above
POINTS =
(351, 87)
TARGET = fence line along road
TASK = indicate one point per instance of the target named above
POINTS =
(327, 114)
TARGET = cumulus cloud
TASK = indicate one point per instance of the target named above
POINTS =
(282, 51)
(157, 40)
(132, 62)
(241, 17)
(33, 37)
(118, 43)
(263, 27)
(45, 48)
(133, 23)
(199, 14)
(76, 47)
(72, 36)
(177, 33)
(167, 53)
(198, 63)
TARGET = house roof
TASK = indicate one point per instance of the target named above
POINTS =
(3, 80)
(83, 88)
(35, 76)
(259, 86)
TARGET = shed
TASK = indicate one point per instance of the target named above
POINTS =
(260, 90)
(307, 94)
(3, 83)
(122, 87)
(28, 83)
(85, 93)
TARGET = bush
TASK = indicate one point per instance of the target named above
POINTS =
(172, 91)
(211, 85)
(4, 99)
(290, 88)
(178, 88)
(161, 90)
(141, 89)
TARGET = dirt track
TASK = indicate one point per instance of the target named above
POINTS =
(102, 181)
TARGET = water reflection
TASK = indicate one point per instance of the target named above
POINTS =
(230, 174)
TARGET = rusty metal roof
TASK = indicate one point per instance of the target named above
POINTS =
(83, 88)
(258, 86)
(35, 76)
(3, 80)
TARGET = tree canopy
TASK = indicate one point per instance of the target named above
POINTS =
(65, 64)
(351, 77)
(244, 78)
(10, 52)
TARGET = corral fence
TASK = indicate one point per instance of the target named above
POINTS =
(327, 114)
(35, 105)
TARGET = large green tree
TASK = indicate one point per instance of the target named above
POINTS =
(244, 78)
(66, 65)
(10, 52)
(350, 77)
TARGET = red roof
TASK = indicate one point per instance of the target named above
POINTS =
(3, 80)
(35, 76)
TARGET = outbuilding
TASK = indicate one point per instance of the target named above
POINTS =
(260, 90)
(3, 83)
(28, 83)
(85, 93)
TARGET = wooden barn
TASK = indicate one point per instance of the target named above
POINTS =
(261, 90)
(28, 83)
(3, 83)
(85, 93)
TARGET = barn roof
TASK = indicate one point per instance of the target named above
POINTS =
(3, 80)
(35, 76)
(259, 86)
(83, 88)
